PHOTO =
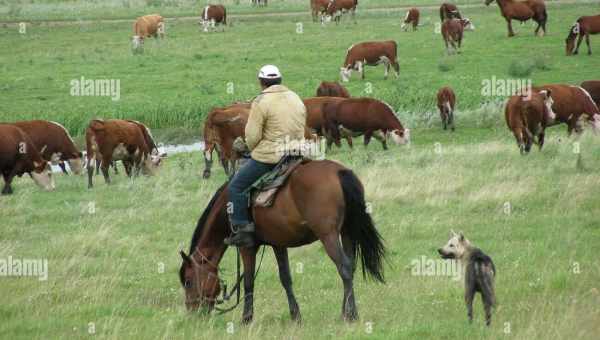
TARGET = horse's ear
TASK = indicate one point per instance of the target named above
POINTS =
(185, 258)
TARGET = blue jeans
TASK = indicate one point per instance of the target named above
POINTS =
(246, 176)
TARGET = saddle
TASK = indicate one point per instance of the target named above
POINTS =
(264, 190)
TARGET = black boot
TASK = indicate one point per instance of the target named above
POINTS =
(241, 235)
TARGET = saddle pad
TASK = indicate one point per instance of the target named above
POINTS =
(265, 189)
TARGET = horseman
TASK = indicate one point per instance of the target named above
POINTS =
(276, 115)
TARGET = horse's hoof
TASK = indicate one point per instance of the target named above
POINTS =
(246, 320)
(351, 317)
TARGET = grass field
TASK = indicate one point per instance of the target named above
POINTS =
(113, 251)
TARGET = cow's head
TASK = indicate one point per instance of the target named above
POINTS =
(151, 164)
(137, 43)
(76, 164)
(400, 136)
(467, 24)
(548, 102)
(200, 281)
(570, 41)
(42, 175)
(345, 73)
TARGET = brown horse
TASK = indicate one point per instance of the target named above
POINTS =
(523, 11)
(583, 28)
(322, 200)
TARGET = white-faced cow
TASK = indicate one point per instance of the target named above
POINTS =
(527, 116)
(370, 53)
(18, 155)
(446, 100)
(318, 8)
(336, 8)
(54, 142)
(116, 139)
(144, 27)
(584, 26)
(364, 116)
(411, 18)
(213, 15)
(572, 105)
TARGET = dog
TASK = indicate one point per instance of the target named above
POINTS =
(479, 272)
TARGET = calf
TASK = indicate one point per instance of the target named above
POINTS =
(213, 15)
(445, 102)
(18, 155)
(332, 89)
(336, 8)
(147, 26)
(593, 88)
(572, 104)
(116, 139)
(584, 26)
(370, 53)
(221, 128)
(527, 116)
(452, 33)
(412, 17)
(54, 143)
(364, 116)
(449, 11)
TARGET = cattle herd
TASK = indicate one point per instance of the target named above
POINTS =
(29, 147)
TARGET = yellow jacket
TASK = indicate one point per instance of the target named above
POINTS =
(276, 115)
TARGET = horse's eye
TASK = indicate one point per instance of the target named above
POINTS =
(187, 284)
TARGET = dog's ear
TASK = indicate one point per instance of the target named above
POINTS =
(452, 233)
(461, 236)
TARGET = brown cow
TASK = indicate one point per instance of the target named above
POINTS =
(449, 11)
(584, 26)
(116, 139)
(412, 17)
(314, 115)
(18, 155)
(452, 33)
(336, 8)
(593, 88)
(446, 99)
(54, 143)
(527, 117)
(332, 89)
(147, 26)
(213, 15)
(319, 9)
(370, 53)
(364, 116)
(523, 11)
(571, 104)
(221, 128)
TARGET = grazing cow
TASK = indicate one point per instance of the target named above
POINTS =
(336, 8)
(449, 11)
(332, 89)
(593, 88)
(147, 26)
(446, 99)
(572, 104)
(314, 115)
(213, 15)
(583, 28)
(370, 53)
(364, 116)
(412, 17)
(221, 128)
(319, 9)
(523, 11)
(116, 139)
(527, 117)
(18, 155)
(452, 33)
(55, 144)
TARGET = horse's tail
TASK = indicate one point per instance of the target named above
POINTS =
(358, 227)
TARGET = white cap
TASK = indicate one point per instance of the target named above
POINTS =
(269, 72)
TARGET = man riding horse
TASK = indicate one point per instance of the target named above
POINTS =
(276, 115)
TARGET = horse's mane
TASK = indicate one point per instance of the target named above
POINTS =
(204, 217)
